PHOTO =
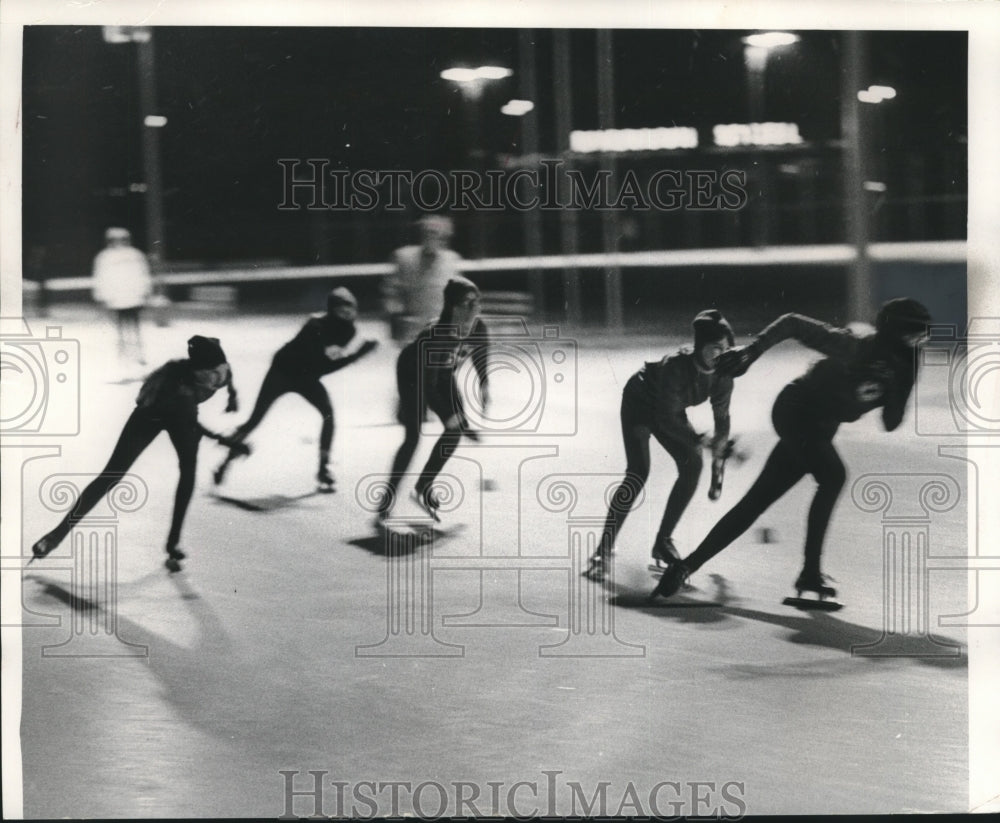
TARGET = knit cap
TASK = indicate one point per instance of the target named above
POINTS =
(205, 352)
(709, 326)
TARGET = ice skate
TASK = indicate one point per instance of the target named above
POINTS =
(173, 564)
(664, 554)
(235, 450)
(220, 472)
(325, 481)
(427, 500)
(673, 580)
(816, 583)
(43, 546)
(176, 553)
(599, 569)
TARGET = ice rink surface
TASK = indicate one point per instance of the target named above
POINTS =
(272, 650)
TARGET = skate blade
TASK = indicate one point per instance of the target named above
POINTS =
(431, 512)
(807, 604)
(322, 488)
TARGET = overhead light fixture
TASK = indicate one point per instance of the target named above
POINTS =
(876, 94)
(886, 92)
(467, 75)
(517, 108)
(771, 39)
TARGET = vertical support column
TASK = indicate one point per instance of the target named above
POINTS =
(563, 89)
(155, 235)
(530, 148)
(860, 291)
(610, 229)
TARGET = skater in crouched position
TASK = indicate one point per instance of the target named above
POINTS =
(425, 376)
(326, 343)
(857, 375)
(654, 402)
(168, 401)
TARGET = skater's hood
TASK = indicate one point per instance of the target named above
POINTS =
(205, 352)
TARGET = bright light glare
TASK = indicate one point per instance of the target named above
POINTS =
(517, 108)
(615, 140)
(155, 121)
(876, 94)
(885, 92)
(756, 134)
(127, 34)
(493, 72)
(461, 75)
(771, 39)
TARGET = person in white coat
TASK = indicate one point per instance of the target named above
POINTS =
(412, 292)
(123, 284)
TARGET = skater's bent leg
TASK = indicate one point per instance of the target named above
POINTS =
(828, 469)
(136, 435)
(316, 396)
(271, 389)
(782, 470)
(443, 449)
(635, 437)
(689, 462)
(185, 439)
(400, 463)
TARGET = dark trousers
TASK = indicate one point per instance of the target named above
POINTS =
(805, 447)
(139, 431)
(276, 383)
(411, 413)
(637, 426)
(443, 449)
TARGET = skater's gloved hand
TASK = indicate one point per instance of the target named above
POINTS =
(721, 447)
(736, 362)
(233, 404)
(367, 347)
(237, 447)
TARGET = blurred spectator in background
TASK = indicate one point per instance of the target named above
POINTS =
(412, 293)
(123, 283)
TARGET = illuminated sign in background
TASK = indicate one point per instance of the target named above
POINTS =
(684, 137)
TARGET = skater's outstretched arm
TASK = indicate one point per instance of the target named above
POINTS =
(721, 396)
(899, 385)
(232, 403)
(341, 356)
(822, 337)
